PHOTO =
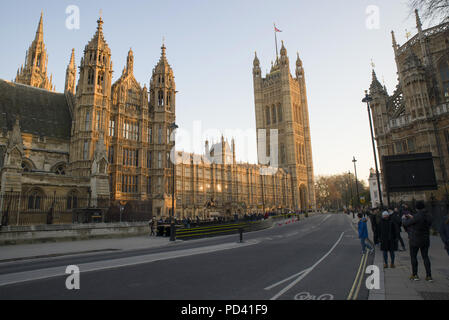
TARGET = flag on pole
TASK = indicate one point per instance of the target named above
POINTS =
(276, 29)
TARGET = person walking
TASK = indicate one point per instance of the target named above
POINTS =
(418, 229)
(388, 238)
(444, 233)
(396, 218)
(152, 228)
(363, 234)
(373, 216)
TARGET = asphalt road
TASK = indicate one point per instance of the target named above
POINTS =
(318, 257)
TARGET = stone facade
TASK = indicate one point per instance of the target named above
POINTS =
(415, 118)
(215, 184)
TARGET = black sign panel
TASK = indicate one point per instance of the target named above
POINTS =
(409, 172)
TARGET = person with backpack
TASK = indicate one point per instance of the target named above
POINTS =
(418, 229)
(363, 234)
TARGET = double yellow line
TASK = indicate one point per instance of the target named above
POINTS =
(354, 293)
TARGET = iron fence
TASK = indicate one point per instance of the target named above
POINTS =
(24, 210)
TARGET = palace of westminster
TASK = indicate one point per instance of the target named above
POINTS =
(102, 140)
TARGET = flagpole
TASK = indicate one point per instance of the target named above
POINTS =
(276, 41)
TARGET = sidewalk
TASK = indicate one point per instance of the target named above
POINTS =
(395, 283)
(46, 250)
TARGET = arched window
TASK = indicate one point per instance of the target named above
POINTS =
(100, 78)
(267, 114)
(273, 114)
(60, 170)
(280, 115)
(90, 77)
(161, 99)
(34, 200)
(444, 74)
(72, 200)
(87, 121)
(282, 154)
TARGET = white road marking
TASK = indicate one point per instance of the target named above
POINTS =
(7, 279)
(307, 271)
(285, 280)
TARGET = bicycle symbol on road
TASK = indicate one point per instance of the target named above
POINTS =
(304, 296)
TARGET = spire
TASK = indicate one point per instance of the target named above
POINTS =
(418, 21)
(72, 60)
(376, 86)
(40, 29)
(298, 60)
(283, 50)
(130, 62)
(163, 48)
(256, 61)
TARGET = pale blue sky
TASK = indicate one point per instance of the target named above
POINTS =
(210, 46)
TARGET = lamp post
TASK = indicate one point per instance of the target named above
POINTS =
(367, 100)
(173, 127)
(356, 182)
(350, 188)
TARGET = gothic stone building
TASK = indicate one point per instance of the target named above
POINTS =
(415, 118)
(102, 142)
(226, 186)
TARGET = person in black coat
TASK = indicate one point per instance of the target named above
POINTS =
(418, 229)
(388, 238)
(396, 218)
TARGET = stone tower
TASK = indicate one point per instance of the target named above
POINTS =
(129, 128)
(70, 75)
(281, 104)
(163, 113)
(93, 99)
(34, 73)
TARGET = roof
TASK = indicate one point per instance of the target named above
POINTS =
(41, 112)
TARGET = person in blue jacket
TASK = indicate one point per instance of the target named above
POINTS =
(363, 234)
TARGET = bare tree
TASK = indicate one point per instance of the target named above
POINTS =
(432, 10)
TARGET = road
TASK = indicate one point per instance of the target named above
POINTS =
(316, 257)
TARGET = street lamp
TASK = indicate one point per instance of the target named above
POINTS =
(350, 188)
(173, 127)
(356, 182)
(367, 100)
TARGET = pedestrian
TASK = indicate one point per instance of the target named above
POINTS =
(418, 228)
(444, 233)
(396, 218)
(388, 238)
(374, 224)
(152, 228)
(363, 234)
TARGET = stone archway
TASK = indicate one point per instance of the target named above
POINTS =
(303, 200)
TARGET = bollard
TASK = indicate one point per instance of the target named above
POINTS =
(241, 234)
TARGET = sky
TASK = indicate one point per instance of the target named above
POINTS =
(210, 46)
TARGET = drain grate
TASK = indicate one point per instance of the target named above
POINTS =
(434, 295)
